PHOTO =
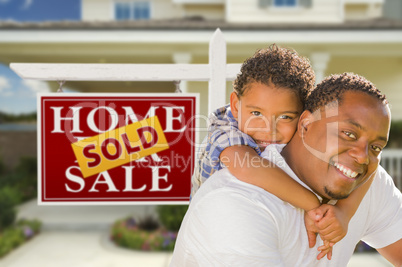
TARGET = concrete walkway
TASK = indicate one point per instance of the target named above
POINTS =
(78, 236)
(71, 217)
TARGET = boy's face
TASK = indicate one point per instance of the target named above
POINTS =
(266, 113)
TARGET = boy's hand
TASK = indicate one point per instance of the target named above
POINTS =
(333, 226)
(311, 218)
(325, 249)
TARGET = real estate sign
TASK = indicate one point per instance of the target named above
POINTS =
(116, 148)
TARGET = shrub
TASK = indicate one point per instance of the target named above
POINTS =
(27, 166)
(149, 234)
(9, 197)
(148, 223)
(23, 177)
(127, 233)
(171, 216)
(10, 239)
(13, 237)
(16, 186)
(2, 167)
(30, 227)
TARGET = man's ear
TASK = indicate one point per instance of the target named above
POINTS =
(305, 119)
(234, 104)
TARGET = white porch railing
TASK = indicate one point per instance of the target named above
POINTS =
(392, 162)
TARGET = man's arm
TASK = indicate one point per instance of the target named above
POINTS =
(393, 253)
(384, 231)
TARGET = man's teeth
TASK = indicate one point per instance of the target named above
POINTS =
(346, 171)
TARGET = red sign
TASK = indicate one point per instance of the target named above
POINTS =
(116, 148)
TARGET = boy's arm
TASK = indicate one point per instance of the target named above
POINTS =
(247, 166)
(334, 224)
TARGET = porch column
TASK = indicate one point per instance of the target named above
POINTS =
(182, 58)
(319, 62)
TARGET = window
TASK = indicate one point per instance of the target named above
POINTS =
(134, 10)
(284, 3)
(141, 10)
(122, 11)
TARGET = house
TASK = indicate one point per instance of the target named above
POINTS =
(361, 36)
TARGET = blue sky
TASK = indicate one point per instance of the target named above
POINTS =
(17, 95)
(40, 10)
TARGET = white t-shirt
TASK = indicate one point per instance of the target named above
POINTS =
(232, 223)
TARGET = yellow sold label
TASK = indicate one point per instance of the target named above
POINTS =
(119, 146)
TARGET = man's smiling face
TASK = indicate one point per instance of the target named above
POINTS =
(344, 148)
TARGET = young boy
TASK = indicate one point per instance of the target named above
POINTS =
(268, 98)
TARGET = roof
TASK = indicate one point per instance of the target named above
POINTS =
(197, 23)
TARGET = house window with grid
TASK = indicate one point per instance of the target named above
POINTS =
(285, 3)
(132, 10)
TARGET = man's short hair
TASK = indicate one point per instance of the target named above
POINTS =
(333, 87)
(278, 66)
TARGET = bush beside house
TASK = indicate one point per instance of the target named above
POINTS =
(16, 186)
(150, 233)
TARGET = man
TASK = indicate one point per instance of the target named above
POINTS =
(336, 149)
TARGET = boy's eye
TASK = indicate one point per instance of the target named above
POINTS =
(285, 117)
(256, 113)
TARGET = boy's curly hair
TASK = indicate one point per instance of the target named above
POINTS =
(277, 66)
(333, 87)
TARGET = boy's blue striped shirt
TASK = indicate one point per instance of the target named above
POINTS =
(223, 132)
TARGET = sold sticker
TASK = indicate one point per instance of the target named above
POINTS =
(119, 146)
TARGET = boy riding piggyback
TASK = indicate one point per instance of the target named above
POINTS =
(268, 98)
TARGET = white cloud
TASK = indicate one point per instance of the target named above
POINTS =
(36, 86)
(4, 83)
(27, 4)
